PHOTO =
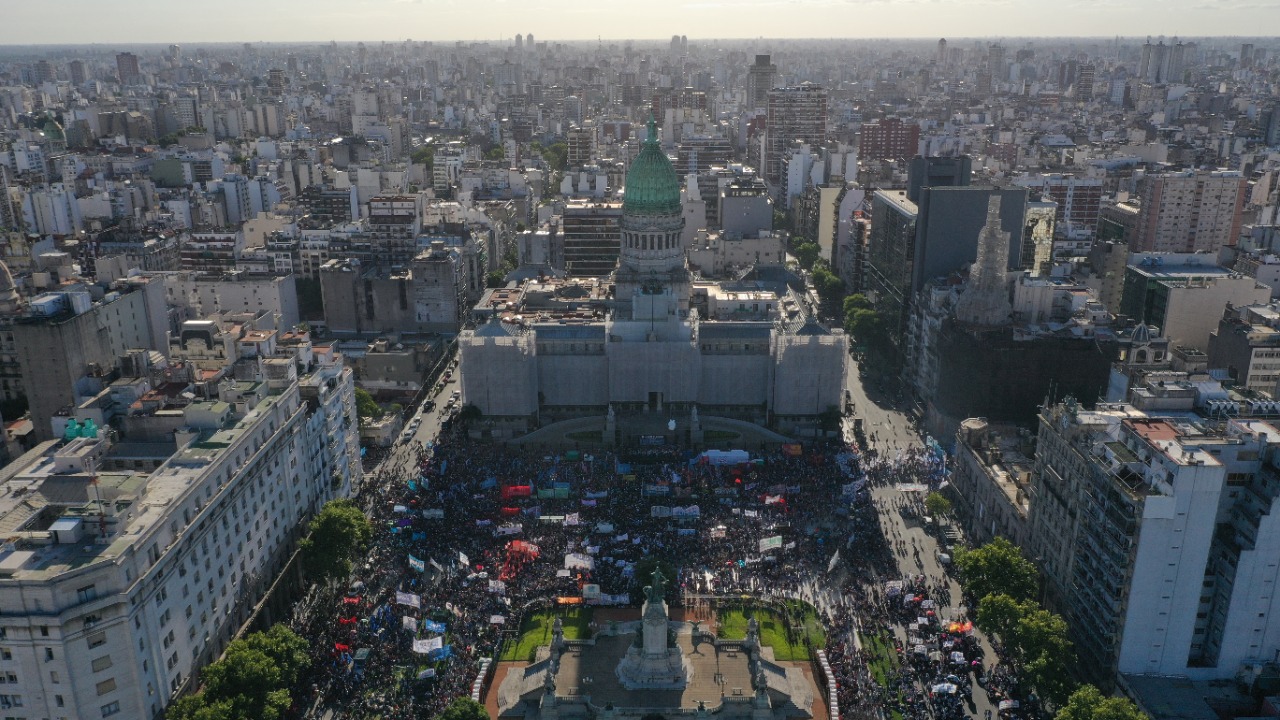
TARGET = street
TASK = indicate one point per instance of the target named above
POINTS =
(893, 432)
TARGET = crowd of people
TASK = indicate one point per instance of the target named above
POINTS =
(469, 535)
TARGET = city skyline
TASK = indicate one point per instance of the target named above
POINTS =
(152, 21)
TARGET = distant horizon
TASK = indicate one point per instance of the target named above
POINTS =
(663, 40)
(160, 22)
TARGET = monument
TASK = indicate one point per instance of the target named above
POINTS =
(654, 661)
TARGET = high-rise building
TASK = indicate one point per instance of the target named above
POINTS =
(1273, 126)
(1191, 211)
(77, 72)
(1246, 55)
(43, 72)
(63, 338)
(940, 57)
(153, 554)
(1079, 200)
(888, 139)
(795, 114)
(591, 234)
(995, 63)
(127, 68)
(1162, 63)
(937, 172)
(1084, 81)
(761, 78)
(1126, 507)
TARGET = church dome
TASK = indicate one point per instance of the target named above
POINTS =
(652, 186)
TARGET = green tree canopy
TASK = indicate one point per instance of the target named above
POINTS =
(806, 253)
(999, 615)
(339, 532)
(997, 567)
(287, 649)
(425, 155)
(937, 504)
(857, 301)
(556, 155)
(196, 707)
(1087, 703)
(250, 681)
(495, 279)
(498, 153)
(464, 708)
(366, 407)
(830, 289)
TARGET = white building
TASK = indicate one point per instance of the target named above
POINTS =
(1158, 539)
(130, 565)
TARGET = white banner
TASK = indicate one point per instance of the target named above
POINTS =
(408, 623)
(579, 560)
(770, 543)
(422, 647)
(403, 598)
(497, 619)
(462, 559)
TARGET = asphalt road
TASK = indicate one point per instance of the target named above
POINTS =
(874, 402)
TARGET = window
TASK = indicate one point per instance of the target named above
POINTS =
(86, 593)
(110, 709)
(106, 686)
(99, 639)
(100, 664)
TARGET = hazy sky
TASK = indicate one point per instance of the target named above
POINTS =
(165, 21)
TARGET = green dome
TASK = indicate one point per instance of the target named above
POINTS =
(652, 186)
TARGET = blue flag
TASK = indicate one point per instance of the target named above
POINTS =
(416, 564)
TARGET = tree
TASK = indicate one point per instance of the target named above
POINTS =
(937, 505)
(556, 155)
(997, 567)
(249, 680)
(425, 155)
(464, 708)
(495, 279)
(196, 707)
(830, 289)
(1087, 703)
(287, 649)
(806, 253)
(365, 405)
(339, 531)
(999, 615)
(865, 326)
(497, 153)
(857, 301)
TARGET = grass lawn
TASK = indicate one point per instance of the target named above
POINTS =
(536, 630)
(773, 632)
(884, 660)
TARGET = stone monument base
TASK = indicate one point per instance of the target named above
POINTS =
(640, 671)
